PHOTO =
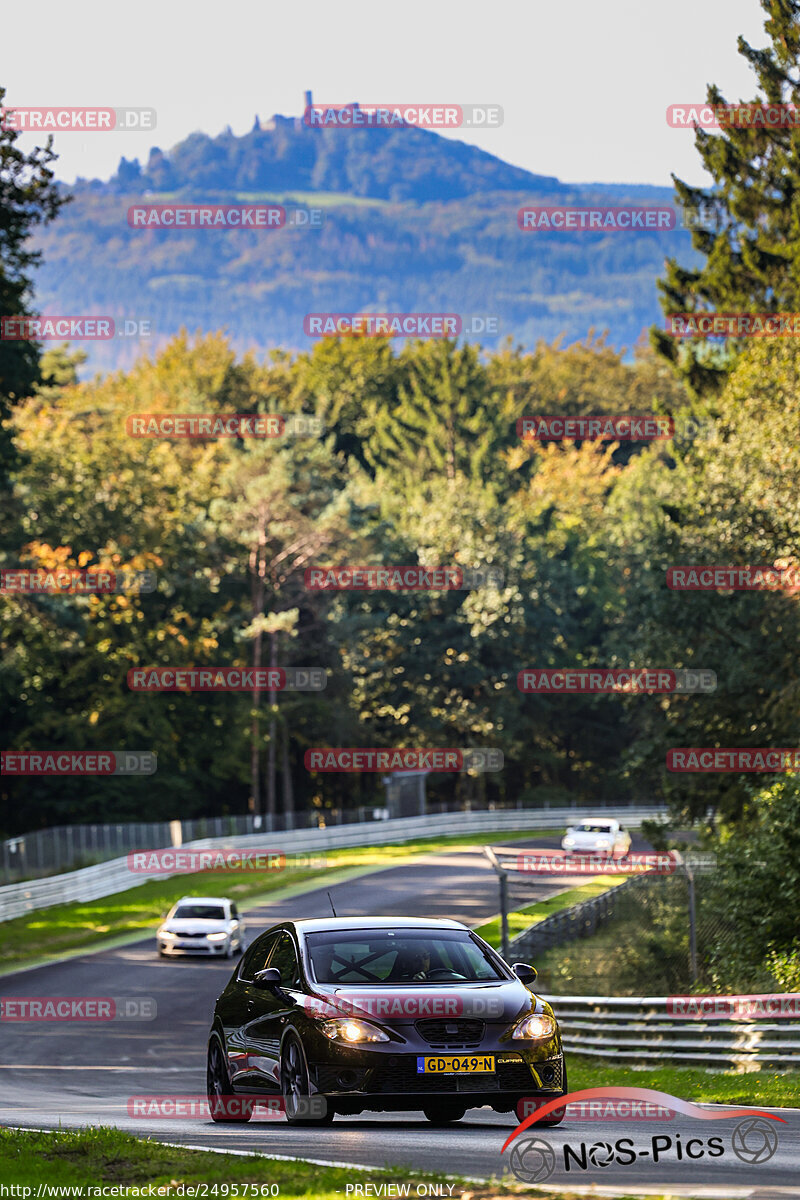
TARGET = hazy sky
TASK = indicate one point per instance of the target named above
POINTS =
(584, 84)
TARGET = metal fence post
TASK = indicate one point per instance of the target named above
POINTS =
(503, 881)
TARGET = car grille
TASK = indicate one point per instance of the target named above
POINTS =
(440, 1031)
(182, 936)
(401, 1077)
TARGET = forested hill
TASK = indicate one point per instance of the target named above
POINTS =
(412, 221)
(402, 164)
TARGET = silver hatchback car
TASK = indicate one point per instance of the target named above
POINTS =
(208, 925)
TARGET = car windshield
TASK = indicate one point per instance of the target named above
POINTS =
(199, 912)
(592, 828)
(386, 956)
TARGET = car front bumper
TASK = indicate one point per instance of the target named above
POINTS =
(393, 1083)
(206, 949)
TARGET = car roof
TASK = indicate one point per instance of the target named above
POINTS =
(324, 924)
(203, 900)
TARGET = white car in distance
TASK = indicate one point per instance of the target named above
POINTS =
(597, 836)
(208, 925)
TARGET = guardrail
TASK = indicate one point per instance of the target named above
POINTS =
(106, 879)
(641, 1030)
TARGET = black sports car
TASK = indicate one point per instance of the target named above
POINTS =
(347, 1014)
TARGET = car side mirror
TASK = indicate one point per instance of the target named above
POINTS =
(524, 972)
(270, 977)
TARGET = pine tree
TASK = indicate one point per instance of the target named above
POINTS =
(753, 255)
(28, 197)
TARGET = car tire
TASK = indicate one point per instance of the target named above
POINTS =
(444, 1113)
(295, 1087)
(219, 1089)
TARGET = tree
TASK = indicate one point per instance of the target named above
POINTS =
(29, 197)
(279, 510)
(730, 497)
(753, 258)
(754, 858)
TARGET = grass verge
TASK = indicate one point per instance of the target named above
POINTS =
(770, 1089)
(90, 1158)
(522, 918)
(48, 932)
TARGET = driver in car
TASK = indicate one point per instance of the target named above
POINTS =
(412, 964)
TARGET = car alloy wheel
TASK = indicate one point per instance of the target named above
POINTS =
(225, 1107)
(295, 1086)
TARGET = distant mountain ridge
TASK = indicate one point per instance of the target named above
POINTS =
(414, 222)
(285, 154)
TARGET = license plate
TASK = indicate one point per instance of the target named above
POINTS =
(469, 1064)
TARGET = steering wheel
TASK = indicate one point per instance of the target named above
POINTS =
(444, 972)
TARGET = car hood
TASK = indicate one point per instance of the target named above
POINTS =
(403, 1004)
(195, 926)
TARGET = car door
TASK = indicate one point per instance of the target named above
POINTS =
(267, 1012)
(235, 1009)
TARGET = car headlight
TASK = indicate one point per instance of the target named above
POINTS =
(345, 1030)
(569, 841)
(165, 933)
(535, 1027)
(216, 937)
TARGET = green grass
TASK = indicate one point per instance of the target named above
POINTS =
(101, 1156)
(772, 1089)
(522, 918)
(107, 1156)
(49, 932)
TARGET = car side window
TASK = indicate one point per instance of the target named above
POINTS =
(234, 912)
(256, 957)
(284, 958)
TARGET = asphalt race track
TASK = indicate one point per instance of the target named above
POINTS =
(74, 1073)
